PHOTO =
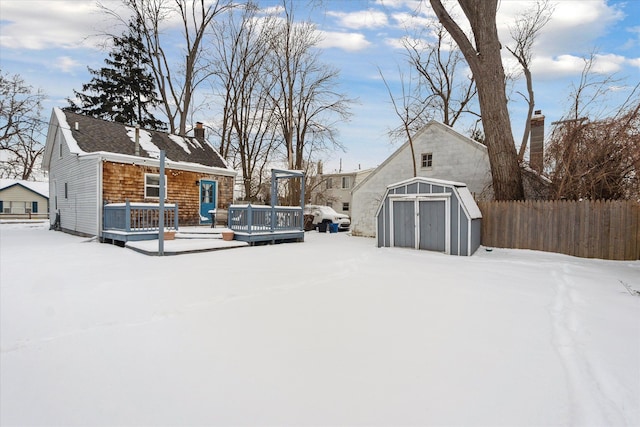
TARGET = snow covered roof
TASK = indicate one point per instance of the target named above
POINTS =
(39, 187)
(90, 135)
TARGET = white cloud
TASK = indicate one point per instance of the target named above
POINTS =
(571, 65)
(65, 64)
(38, 24)
(347, 41)
(574, 26)
(608, 64)
(361, 19)
(635, 62)
(411, 21)
(421, 44)
(397, 4)
(634, 41)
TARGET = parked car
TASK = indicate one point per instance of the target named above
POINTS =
(319, 217)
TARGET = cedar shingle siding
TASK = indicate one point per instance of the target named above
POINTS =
(124, 181)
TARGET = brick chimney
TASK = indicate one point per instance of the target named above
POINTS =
(198, 132)
(536, 141)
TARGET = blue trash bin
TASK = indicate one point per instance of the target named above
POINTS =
(333, 228)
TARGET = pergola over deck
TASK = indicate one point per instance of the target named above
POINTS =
(275, 223)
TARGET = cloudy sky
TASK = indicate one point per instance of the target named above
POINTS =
(50, 43)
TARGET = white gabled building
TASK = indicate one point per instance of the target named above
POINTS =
(334, 189)
(441, 153)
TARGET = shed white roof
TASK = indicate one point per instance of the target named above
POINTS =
(460, 188)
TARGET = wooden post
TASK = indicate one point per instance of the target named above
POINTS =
(161, 208)
(127, 216)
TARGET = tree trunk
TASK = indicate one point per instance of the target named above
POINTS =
(486, 65)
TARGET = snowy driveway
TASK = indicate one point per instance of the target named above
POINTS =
(333, 331)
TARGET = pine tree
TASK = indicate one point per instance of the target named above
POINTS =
(124, 91)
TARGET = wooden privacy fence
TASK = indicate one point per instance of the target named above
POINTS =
(589, 229)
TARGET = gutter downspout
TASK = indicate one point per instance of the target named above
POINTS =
(100, 198)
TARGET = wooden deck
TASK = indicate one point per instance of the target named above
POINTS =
(131, 222)
(266, 224)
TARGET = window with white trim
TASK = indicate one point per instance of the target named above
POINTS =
(427, 160)
(152, 186)
(345, 206)
(329, 183)
(346, 182)
(16, 207)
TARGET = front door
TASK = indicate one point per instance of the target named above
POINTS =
(208, 193)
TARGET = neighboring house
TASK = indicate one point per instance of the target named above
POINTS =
(334, 189)
(440, 153)
(23, 199)
(93, 162)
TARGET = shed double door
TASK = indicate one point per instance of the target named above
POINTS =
(420, 224)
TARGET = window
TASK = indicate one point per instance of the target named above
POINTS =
(346, 182)
(427, 160)
(34, 207)
(13, 207)
(345, 206)
(152, 186)
(329, 183)
(66, 191)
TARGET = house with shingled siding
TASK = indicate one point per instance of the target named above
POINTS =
(93, 163)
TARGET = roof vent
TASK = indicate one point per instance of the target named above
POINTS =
(77, 126)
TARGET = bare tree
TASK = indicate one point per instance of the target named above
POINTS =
(21, 127)
(594, 152)
(444, 91)
(305, 101)
(409, 110)
(483, 57)
(176, 85)
(524, 33)
(247, 132)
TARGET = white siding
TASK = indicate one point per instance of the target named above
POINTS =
(455, 158)
(78, 211)
(336, 195)
(16, 193)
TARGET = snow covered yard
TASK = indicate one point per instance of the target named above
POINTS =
(333, 331)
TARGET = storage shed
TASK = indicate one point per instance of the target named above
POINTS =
(429, 214)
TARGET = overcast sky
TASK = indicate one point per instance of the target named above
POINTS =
(50, 44)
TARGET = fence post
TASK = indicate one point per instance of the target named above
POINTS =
(249, 218)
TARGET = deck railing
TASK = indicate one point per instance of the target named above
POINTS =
(138, 217)
(260, 219)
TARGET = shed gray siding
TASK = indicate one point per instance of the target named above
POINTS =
(403, 224)
(431, 231)
(433, 211)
